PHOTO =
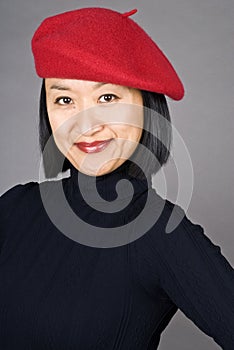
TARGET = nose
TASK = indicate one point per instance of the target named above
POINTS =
(93, 130)
(88, 122)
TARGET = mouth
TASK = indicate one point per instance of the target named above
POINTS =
(93, 147)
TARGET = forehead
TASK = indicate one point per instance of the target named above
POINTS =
(74, 84)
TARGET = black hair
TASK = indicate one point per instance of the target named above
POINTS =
(156, 137)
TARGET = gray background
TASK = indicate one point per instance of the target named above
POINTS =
(197, 36)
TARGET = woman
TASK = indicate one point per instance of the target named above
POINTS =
(103, 110)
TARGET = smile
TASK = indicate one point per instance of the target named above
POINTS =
(93, 147)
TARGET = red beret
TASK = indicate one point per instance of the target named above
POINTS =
(103, 45)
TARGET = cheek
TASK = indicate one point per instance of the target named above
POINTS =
(59, 122)
(135, 134)
(134, 129)
(128, 132)
(53, 123)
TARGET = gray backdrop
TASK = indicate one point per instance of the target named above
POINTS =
(197, 36)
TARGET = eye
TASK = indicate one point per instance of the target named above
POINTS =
(107, 98)
(64, 100)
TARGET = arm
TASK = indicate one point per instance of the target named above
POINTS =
(197, 278)
(10, 201)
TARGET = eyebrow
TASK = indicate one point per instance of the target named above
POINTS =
(66, 88)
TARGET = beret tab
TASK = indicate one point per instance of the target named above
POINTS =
(103, 45)
(130, 13)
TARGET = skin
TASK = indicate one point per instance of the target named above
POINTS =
(87, 111)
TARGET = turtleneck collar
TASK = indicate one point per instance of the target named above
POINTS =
(109, 200)
(80, 184)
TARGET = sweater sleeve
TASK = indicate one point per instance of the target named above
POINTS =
(9, 201)
(197, 277)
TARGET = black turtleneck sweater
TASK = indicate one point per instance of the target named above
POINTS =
(58, 293)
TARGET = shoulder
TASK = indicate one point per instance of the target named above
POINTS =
(180, 225)
(175, 231)
(177, 219)
(15, 196)
(20, 205)
(17, 190)
(27, 197)
(171, 218)
(177, 239)
(184, 249)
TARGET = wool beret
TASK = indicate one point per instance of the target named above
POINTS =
(103, 45)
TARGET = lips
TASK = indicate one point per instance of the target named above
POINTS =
(93, 147)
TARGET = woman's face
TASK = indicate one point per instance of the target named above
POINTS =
(97, 126)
